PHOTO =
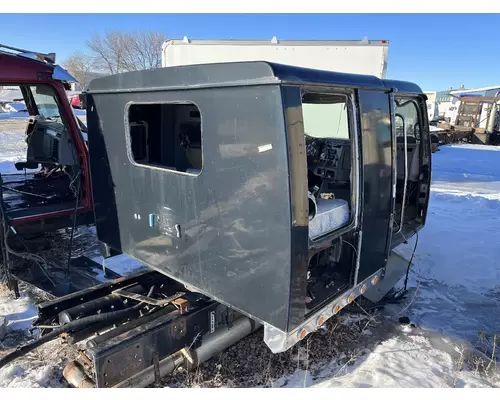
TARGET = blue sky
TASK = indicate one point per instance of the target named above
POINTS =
(435, 51)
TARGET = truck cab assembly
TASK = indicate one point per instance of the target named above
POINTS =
(50, 189)
(53, 181)
(258, 194)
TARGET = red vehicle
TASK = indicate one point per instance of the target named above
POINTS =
(77, 101)
(53, 184)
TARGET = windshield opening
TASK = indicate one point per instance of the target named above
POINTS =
(46, 102)
(325, 116)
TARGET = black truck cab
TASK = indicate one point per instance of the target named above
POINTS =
(280, 192)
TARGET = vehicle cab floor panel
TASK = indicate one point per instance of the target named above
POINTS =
(26, 195)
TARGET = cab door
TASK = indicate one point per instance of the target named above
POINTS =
(377, 180)
(413, 151)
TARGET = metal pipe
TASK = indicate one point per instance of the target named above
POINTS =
(213, 345)
(115, 316)
(76, 376)
(223, 339)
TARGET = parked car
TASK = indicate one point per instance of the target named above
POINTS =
(77, 101)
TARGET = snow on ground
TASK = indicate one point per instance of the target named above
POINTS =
(16, 111)
(13, 146)
(12, 108)
(454, 287)
(19, 313)
(458, 255)
(453, 302)
(40, 368)
(13, 115)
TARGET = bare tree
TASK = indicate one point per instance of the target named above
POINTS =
(122, 51)
(81, 66)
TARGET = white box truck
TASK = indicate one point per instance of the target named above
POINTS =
(368, 57)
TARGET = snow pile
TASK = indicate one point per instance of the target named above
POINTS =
(18, 377)
(19, 313)
(39, 370)
(407, 362)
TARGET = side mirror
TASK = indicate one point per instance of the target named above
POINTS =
(44, 91)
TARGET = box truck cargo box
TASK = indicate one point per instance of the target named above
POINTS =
(368, 57)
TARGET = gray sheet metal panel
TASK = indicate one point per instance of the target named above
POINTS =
(374, 108)
(234, 216)
(238, 74)
(402, 86)
(395, 269)
(186, 77)
(226, 74)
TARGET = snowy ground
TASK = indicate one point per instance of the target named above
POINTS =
(13, 111)
(454, 303)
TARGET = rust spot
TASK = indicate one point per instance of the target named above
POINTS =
(85, 360)
(76, 376)
(182, 305)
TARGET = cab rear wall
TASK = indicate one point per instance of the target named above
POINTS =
(234, 217)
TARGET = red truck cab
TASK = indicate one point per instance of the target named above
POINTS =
(53, 183)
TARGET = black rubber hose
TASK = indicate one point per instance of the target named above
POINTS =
(74, 227)
(409, 263)
(73, 325)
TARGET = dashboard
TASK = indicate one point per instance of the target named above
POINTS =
(325, 156)
(49, 142)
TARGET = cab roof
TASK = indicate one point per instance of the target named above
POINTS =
(242, 73)
(25, 66)
(16, 68)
